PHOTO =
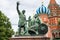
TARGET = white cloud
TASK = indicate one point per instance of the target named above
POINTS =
(3, 3)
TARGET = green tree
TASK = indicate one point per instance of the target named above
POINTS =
(6, 30)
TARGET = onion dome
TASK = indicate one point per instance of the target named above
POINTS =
(43, 10)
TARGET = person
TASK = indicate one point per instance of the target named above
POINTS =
(22, 19)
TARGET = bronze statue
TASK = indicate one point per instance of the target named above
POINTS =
(34, 26)
(22, 20)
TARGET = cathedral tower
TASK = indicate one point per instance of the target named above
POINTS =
(54, 18)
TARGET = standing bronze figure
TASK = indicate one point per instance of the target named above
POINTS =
(22, 20)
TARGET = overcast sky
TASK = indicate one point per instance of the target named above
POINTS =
(8, 7)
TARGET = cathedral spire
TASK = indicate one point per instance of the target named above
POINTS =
(52, 2)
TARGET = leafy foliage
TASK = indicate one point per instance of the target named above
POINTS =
(6, 30)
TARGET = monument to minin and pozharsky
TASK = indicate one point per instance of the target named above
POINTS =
(35, 27)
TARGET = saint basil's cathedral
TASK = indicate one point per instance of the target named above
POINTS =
(51, 17)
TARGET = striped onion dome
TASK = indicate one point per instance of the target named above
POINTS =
(43, 10)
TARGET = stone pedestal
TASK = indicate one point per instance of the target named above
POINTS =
(29, 38)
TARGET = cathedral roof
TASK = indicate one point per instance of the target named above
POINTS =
(42, 10)
(52, 2)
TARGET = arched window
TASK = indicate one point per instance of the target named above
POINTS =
(58, 21)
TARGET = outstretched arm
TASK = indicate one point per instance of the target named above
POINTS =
(18, 8)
